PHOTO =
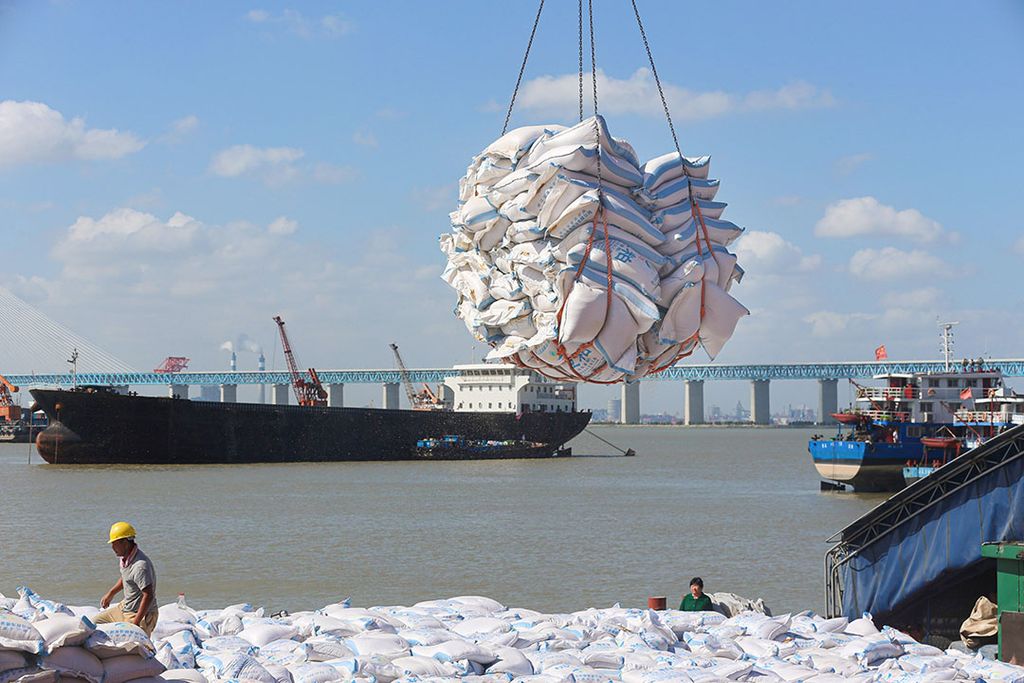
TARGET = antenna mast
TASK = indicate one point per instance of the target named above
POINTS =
(947, 342)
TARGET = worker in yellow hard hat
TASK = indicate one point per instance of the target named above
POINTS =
(138, 581)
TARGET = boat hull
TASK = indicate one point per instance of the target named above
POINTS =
(865, 466)
(101, 427)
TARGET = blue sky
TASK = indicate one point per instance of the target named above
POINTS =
(174, 174)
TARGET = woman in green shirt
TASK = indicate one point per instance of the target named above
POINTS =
(695, 600)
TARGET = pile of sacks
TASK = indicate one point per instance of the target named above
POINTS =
(588, 280)
(476, 639)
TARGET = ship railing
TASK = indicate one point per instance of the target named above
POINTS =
(885, 415)
(987, 416)
(888, 393)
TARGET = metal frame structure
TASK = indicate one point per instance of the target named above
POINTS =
(912, 501)
(1013, 367)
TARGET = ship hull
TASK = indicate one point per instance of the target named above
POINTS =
(100, 427)
(865, 466)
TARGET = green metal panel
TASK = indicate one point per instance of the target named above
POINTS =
(1009, 559)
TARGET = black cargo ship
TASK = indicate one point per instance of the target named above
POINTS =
(98, 426)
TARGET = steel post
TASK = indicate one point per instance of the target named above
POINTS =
(694, 408)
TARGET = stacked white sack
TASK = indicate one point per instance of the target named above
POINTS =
(45, 642)
(478, 639)
(532, 268)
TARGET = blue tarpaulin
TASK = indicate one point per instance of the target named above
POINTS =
(940, 541)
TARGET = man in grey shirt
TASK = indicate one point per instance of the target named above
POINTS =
(138, 581)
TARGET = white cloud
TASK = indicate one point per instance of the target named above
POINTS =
(436, 197)
(924, 297)
(32, 133)
(768, 253)
(848, 164)
(365, 138)
(890, 263)
(130, 281)
(185, 125)
(125, 231)
(868, 216)
(638, 94)
(788, 200)
(283, 226)
(831, 324)
(275, 165)
(330, 174)
(293, 21)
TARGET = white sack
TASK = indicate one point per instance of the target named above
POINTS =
(128, 667)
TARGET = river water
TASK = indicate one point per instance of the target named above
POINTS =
(740, 507)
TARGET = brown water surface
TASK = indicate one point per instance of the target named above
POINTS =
(739, 507)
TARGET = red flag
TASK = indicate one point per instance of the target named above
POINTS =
(965, 394)
(880, 353)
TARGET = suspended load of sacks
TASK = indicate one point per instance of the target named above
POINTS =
(571, 257)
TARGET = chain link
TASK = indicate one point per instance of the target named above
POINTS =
(593, 79)
(522, 68)
(580, 6)
(657, 81)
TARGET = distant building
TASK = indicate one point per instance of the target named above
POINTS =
(614, 410)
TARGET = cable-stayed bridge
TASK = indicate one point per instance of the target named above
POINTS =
(34, 351)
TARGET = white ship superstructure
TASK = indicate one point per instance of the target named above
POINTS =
(488, 387)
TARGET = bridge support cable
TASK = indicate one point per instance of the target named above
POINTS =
(32, 341)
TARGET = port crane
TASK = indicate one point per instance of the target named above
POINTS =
(308, 392)
(422, 400)
(9, 410)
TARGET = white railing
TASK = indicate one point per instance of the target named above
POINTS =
(888, 393)
(988, 416)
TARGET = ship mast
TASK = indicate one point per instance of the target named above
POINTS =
(947, 342)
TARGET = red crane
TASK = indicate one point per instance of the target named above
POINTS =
(173, 364)
(308, 392)
(9, 410)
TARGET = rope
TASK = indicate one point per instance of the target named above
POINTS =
(522, 68)
(580, 6)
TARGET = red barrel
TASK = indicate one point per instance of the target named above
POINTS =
(658, 603)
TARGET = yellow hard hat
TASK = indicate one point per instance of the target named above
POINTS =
(119, 530)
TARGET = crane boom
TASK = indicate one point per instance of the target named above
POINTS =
(307, 392)
(410, 393)
(9, 411)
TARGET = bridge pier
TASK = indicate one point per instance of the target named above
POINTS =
(279, 394)
(121, 389)
(760, 414)
(828, 400)
(630, 403)
(229, 393)
(693, 411)
(178, 391)
(390, 397)
(335, 395)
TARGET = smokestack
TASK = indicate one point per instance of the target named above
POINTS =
(262, 365)
(234, 362)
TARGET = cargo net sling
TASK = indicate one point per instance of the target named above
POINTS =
(572, 258)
